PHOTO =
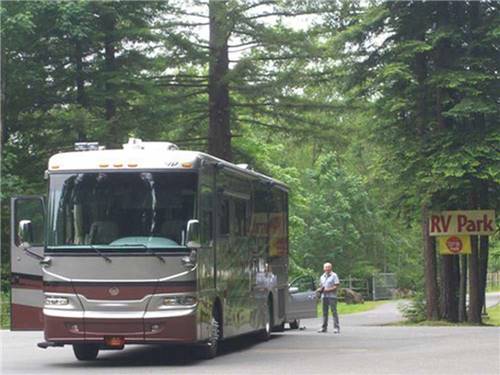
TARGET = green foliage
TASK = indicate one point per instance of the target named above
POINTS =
(368, 111)
(414, 311)
(4, 309)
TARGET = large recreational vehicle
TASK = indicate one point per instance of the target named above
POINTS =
(151, 244)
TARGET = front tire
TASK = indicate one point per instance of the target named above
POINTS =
(85, 352)
(209, 349)
(295, 324)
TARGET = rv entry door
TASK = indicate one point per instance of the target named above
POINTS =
(26, 273)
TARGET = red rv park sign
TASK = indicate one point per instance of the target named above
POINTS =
(477, 222)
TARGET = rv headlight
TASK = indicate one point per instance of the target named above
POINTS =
(180, 301)
(186, 300)
(170, 301)
(56, 301)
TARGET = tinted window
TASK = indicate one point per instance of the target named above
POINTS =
(119, 208)
(30, 209)
(239, 217)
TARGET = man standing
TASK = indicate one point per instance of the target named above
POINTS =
(329, 283)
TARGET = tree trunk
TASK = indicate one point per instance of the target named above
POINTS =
(80, 86)
(451, 279)
(109, 27)
(430, 270)
(462, 305)
(483, 268)
(421, 75)
(483, 244)
(3, 85)
(474, 313)
(219, 131)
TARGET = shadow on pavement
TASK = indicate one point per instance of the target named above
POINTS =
(157, 355)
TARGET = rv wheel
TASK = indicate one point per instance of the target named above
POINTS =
(85, 352)
(265, 334)
(295, 324)
(209, 349)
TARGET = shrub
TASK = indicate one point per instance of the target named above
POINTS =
(414, 311)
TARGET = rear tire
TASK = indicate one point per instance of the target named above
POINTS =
(265, 334)
(295, 324)
(85, 352)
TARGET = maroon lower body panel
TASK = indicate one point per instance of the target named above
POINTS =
(166, 330)
(178, 329)
(64, 329)
(26, 317)
(97, 329)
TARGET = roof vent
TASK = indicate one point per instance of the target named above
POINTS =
(88, 146)
(138, 144)
(244, 166)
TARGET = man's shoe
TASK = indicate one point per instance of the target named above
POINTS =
(336, 330)
(321, 330)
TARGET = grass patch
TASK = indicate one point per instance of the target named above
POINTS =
(493, 319)
(493, 316)
(4, 310)
(344, 308)
(495, 288)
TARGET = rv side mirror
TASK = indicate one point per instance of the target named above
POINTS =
(25, 232)
(293, 290)
(193, 234)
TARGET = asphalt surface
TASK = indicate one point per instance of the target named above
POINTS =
(361, 348)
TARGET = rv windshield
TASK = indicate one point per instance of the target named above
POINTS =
(120, 209)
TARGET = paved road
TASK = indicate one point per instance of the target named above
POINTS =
(360, 349)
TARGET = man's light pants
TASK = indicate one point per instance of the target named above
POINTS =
(332, 303)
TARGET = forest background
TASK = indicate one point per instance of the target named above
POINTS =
(374, 113)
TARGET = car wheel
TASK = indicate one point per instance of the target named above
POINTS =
(85, 352)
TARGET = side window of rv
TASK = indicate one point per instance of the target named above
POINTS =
(260, 218)
(206, 214)
(278, 242)
(239, 217)
(224, 216)
(207, 181)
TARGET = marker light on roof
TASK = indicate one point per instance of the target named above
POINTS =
(132, 165)
(54, 167)
(103, 165)
(117, 165)
(187, 165)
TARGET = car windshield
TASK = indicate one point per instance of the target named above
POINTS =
(120, 209)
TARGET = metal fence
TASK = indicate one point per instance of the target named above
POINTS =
(361, 286)
(379, 286)
(383, 285)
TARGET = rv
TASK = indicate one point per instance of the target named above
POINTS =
(152, 244)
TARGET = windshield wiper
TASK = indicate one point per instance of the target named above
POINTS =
(106, 258)
(148, 249)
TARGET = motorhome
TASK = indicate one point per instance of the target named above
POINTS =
(152, 244)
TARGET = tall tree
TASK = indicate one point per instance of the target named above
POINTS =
(219, 128)
(411, 56)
